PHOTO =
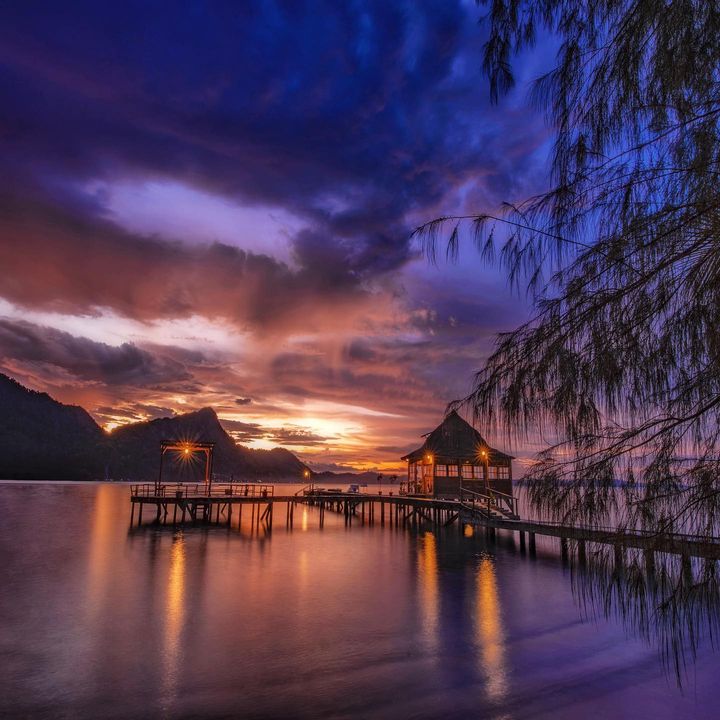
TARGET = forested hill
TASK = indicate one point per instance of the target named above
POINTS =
(43, 439)
(135, 449)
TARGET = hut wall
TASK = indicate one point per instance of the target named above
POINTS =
(477, 486)
(447, 487)
(503, 486)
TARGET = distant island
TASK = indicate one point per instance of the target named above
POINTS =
(43, 439)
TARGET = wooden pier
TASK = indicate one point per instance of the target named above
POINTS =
(221, 503)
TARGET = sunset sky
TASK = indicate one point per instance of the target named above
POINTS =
(207, 205)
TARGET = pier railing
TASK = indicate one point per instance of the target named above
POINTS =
(217, 490)
(307, 490)
(492, 500)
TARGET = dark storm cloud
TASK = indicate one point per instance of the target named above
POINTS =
(243, 431)
(360, 349)
(129, 412)
(290, 435)
(348, 115)
(296, 436)
(396, 449)
(55, 261)
(388, 376)
(352, 121)
(85, 359)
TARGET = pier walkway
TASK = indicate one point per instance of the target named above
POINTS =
(222, 502)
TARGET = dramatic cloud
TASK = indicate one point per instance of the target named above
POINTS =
(244, 432)
(87, 360)
(89, 264)
(297, 436)
(214, 206)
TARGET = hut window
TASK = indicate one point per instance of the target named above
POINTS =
(467, 472)
(441, 470)
(492, 473)
(503, 473)
(478, 472)
(452, 470)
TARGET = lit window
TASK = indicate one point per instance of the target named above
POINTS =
(452, 470)
(467, 472)
(441, 470)
(493, 472)
(504, 473)
(479, 472)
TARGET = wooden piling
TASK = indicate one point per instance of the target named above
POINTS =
(582, 554)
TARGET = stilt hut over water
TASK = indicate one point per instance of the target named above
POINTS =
(455, 455)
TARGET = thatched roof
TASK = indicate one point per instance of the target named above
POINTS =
(455, 440)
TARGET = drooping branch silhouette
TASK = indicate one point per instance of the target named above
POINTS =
(620, 364)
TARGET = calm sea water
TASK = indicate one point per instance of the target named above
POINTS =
(360, 622)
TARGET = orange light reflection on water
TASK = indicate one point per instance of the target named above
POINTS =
(489, 631)
(174, 620)
(429, 591)
(102, 547)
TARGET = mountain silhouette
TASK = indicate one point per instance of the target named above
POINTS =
(135, 449)
(43, 439)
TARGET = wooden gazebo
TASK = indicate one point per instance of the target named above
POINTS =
(455, 455)
(186, 450)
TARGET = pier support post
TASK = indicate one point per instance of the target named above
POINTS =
(582, 554)
(564, 551)
(619, 551)
(531, 544)
(522, 541)
(687, 570)
(650, 578)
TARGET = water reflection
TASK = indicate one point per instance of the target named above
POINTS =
(489, 632)
(671, 602)
(427, 565)
(101, 547)
(174, 621)
(354, 623)
(304, 518)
